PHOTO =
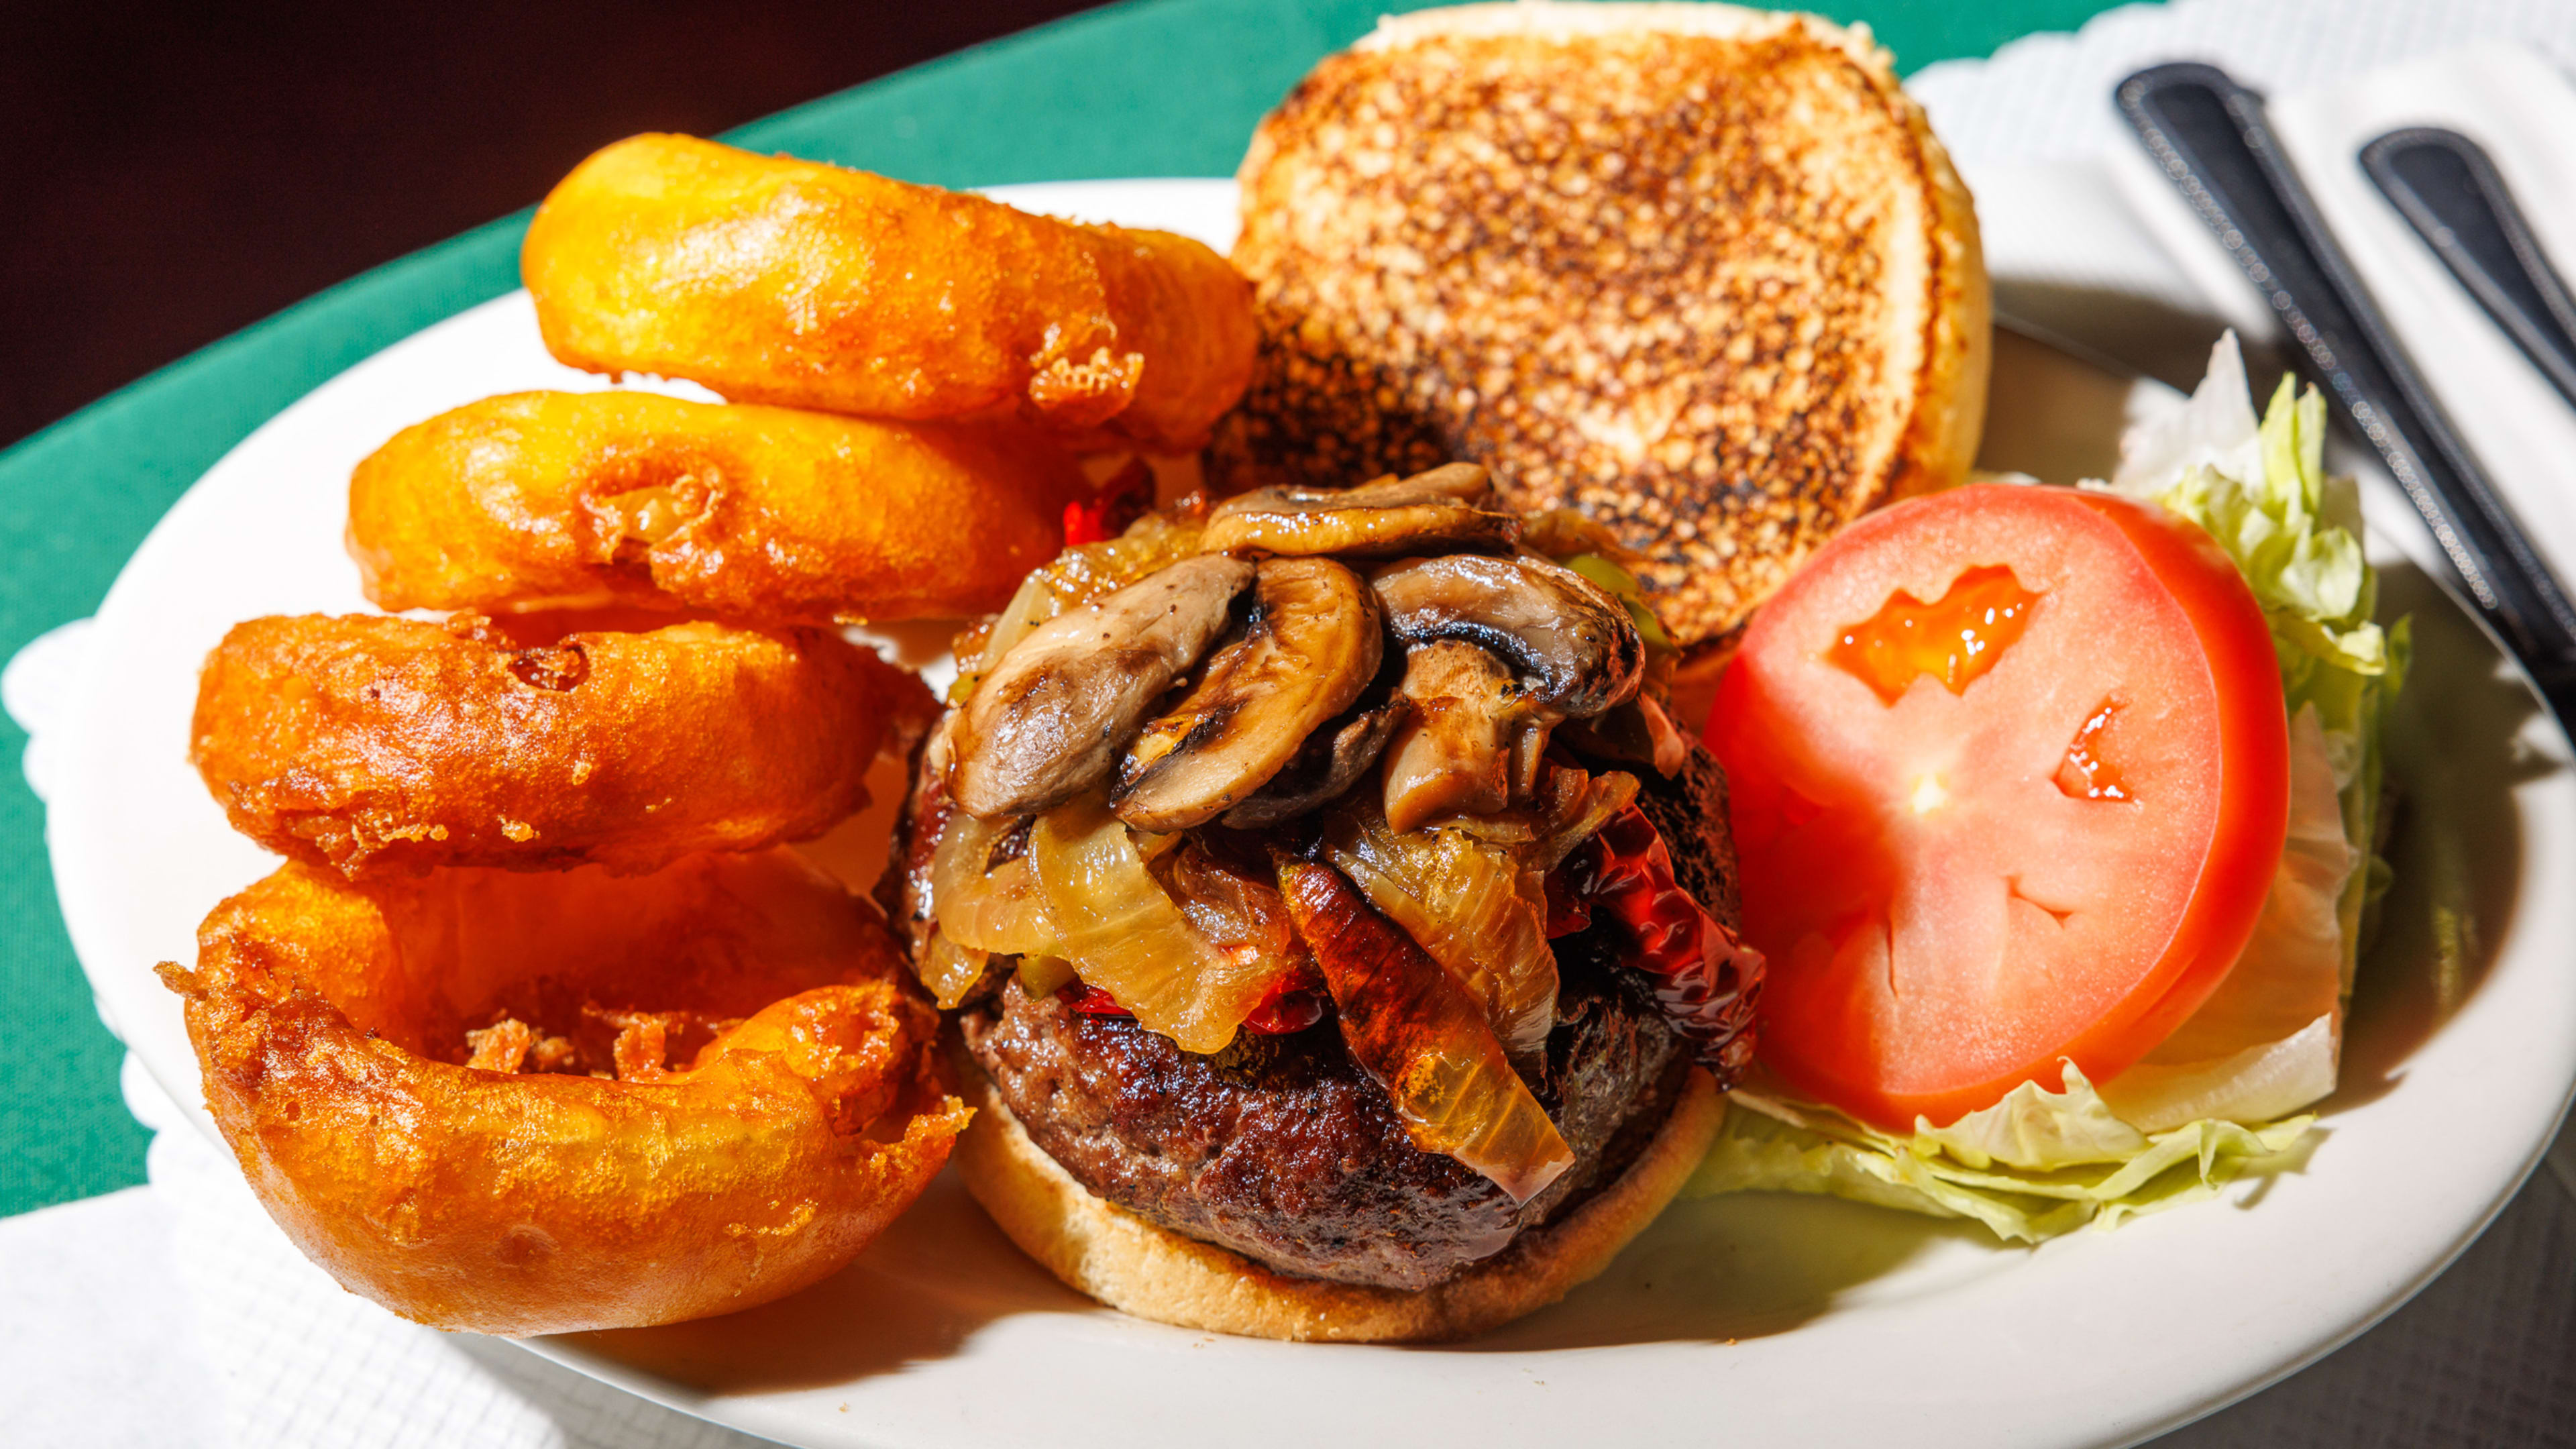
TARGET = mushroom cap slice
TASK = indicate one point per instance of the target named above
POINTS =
(1313, 644)
(1454, 756)
(1576, 648)
(1325, 769)
(1051, 717)
(1450, 507)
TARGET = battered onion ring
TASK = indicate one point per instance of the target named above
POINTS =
(576, 499)
(329, 1019)
(385, 746)
(780, 281)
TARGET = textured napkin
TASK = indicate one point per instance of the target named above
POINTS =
(255, 1346)
(298, 1360)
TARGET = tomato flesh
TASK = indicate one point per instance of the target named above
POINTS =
(2032, 820)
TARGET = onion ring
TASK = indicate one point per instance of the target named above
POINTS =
(546, 499)
(774, 280)
(383, 746)
(331, 1021)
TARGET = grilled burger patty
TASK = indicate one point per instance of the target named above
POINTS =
(1282, 1149)
(1689, 812)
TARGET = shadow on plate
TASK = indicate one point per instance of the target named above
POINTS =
(2457, 749)
(1744, 1265)
(854, 851)
(2148, 335)
(2050, 415)
(939, 1275)
(1713, 1270)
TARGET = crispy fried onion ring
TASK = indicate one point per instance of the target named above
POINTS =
(775, 280)
(385, 746)
(549, 499)
(414, 1075)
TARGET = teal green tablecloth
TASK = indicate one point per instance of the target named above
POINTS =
(1152, 88)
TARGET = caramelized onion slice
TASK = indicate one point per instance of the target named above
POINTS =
(1413, 1029)
(1234, 910)
(1471, 904)
(1567, 807)
(982, 905)
(948, 970)
(1124, 933)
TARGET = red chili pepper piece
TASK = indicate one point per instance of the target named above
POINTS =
(1091, 1000)
(1568, 909)
(1293, 1004)
(1705, 979)
(1121, 501)
(1283, 1012)
(1082, 523)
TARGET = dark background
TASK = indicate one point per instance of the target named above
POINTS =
(170, 173)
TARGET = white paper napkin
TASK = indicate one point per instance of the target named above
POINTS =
(299, 1360)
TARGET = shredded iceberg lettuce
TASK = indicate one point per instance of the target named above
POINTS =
(2262, 492)
(2036, 1164)
(2216, 1099)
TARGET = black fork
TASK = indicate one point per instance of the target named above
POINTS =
(2214, 142)
(2444, 185)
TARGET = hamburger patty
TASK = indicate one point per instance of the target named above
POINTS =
(1282, 1149)
(1690, 812)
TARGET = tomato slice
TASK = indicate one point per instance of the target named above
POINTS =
(2010, 776)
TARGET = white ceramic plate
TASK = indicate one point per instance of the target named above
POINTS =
(1757, 1319)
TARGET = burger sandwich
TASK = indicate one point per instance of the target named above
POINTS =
(1340, 936)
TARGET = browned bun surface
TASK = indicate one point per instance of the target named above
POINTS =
(774, 280)
(1703, 273)
(388, 746)
(405, 1070)
(1131, 1265)
(541, 499)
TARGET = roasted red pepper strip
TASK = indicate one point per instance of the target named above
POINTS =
(1411, 1026)
(1705, 979)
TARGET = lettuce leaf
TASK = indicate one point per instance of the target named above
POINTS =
(2262, 492)
(2078, 1163)
(2216, 1099)
(2265, 1041)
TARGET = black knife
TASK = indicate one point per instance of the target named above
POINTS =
(2447, 189)
(2213, 141)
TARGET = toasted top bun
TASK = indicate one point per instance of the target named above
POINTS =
(1702, 272)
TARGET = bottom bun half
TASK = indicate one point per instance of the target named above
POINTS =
(1131, 1265)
